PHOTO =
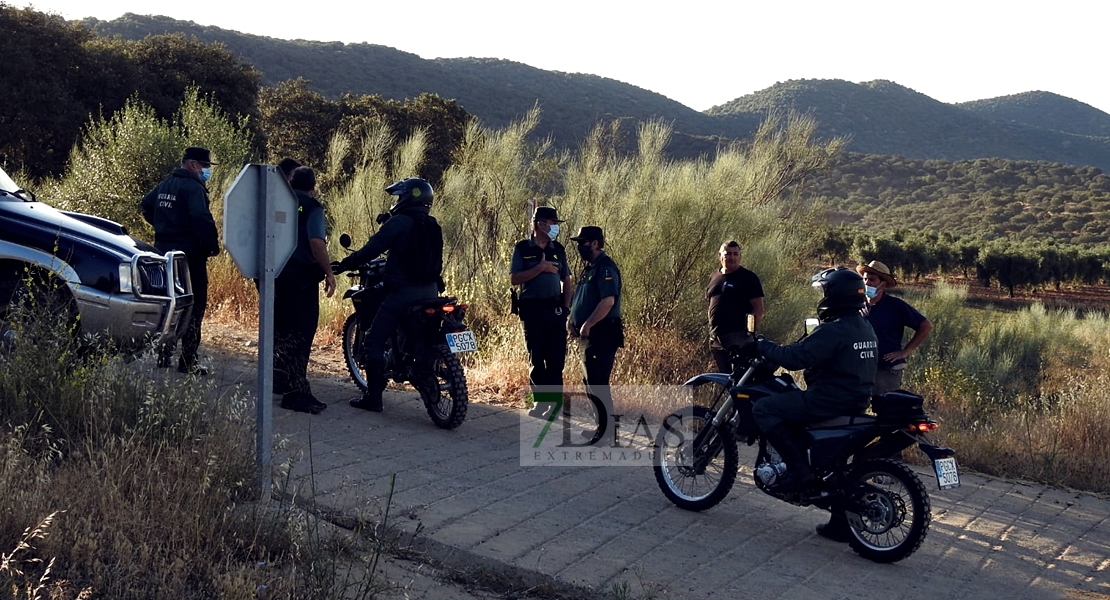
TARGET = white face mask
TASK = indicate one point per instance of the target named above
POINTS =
(553, 231)
(870, 291)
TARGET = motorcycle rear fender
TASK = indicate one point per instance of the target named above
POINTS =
(351, 291)
(720, 379)
(935, 452)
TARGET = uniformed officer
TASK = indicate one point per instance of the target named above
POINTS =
(297, 298)
(178, 210)
(539, 266)
(595, 311)
(839, 363)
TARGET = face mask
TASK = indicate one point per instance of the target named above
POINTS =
(586, 252)
(205, 173)
(553, 231)
(870, 291)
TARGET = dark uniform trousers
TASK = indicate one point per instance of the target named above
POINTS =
(190, 339)
(600, 351)
(545, 335)
(296, 316)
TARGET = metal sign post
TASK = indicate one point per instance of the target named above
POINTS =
(260, 234)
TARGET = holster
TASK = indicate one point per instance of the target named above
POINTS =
(514, 302)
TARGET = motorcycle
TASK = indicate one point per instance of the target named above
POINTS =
(883, 500)
(422, 351)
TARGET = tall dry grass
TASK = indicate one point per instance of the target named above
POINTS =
(124, 481)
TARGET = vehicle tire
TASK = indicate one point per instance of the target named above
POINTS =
(352, 345)
(897, 513)
(39, 306)
(447, 399)
(695, 480)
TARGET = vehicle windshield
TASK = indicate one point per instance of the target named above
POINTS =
(6, 183)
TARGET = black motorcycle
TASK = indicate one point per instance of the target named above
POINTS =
(856, 458)
(422, 351)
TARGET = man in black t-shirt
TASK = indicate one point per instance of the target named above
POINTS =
(733, 293)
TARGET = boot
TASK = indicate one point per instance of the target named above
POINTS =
(799, 475)
(371, 400)
(836, 529)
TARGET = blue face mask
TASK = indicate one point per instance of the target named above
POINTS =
(553, 231)
(870, 291)
(205, 173)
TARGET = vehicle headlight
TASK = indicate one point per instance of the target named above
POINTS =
(127, 281)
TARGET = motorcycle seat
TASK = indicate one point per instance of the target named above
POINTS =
(432, 303)
(842, 421)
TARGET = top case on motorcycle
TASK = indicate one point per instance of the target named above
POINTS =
(898, 404)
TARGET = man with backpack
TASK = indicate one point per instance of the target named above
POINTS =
(414, 241)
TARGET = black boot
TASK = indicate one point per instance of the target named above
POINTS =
(836, 529)
(371, 400)
(799, 475)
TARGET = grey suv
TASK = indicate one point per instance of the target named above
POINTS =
(121, 289)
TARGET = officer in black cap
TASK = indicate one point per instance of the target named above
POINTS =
(539, 266)
(595, 311)
(178, 211)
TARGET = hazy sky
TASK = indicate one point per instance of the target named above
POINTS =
(707, 52)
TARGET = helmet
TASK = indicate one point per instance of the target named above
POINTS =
(411, 193)
(842, 292)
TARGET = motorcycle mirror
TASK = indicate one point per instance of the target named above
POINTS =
(812, 323)
(345, 241)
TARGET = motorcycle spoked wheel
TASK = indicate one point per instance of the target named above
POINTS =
(695, 479)
(446, 401)
(352, 343)
(897, 513)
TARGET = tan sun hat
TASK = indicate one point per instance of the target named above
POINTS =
(879, 269)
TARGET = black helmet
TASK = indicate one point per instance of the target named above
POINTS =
(411, 192)
(842, 292)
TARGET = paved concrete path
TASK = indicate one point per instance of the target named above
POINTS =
(462, 496)
(604, 527)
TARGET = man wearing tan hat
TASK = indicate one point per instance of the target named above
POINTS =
(889, 317)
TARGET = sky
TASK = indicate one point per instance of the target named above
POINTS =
(703, 53)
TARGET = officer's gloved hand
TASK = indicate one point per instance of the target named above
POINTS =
(337, 266)
(382, 218)
(441, 285)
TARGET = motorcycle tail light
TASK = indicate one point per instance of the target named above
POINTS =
(926, 427)
(464, 306)
(447, 308)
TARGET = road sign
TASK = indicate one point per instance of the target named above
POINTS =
(260, 234)
(244, 229)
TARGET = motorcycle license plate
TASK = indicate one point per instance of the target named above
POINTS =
(948, 476)
(462, 341)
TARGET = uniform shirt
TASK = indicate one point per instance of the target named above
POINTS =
(839, 362)
(177, 208)
(889, 318)
(310, 225)
(545, 286)
(730, 300)
(600, 279)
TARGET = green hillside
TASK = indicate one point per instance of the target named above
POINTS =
(881, 117)
(983, 198)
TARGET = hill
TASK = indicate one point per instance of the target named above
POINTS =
(981, 198)
(886, 118)
(882, 117)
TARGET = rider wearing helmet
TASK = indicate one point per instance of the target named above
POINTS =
(414, 241)
(839, 362)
